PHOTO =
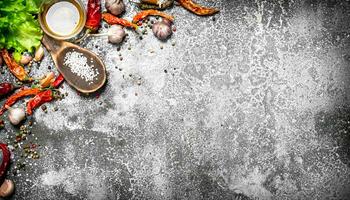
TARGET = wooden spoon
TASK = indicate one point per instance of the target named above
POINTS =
(59, 49)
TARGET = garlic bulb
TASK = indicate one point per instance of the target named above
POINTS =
(25, 59)
(116, 34)
(162, 30)
(16, 115)
(39, 54)
(116, 7)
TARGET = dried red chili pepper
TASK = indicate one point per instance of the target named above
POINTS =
(93, 20)
(15, 97)
(6, 88)
(111, 19)
(38, 100)
(6, 154)
(46, 81)
(57, 82)
(93, 15)
(196, 8)
(44, 96)
(145, 13)
(14, 67)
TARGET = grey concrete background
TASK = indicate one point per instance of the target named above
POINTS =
(254, 105)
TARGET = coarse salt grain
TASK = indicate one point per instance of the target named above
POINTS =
(78, 64)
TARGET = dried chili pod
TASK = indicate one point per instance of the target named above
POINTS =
(145, 13)
(15, 97)
(58, 81)
(93, 20)
(111, 20)
(46, 81)
(93, 15)
(16, 69)
(38, 100)
(196, 8)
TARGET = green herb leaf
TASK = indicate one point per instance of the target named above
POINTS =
(19, 29)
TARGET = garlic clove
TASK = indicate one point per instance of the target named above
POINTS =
(16, 115)
(39, 54)
(116, 34)
(7, 188)
(25, 59)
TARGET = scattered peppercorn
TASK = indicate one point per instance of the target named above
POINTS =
(43, 107)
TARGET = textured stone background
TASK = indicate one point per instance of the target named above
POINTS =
(254, 105)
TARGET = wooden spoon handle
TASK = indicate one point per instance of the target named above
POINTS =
(52, 45)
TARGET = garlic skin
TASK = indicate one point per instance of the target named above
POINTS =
(7, 188)
(16, 115)
(39, 54)
(162, 30)
(116, 34)
(167, 22)
(116, 7)
(25, 59)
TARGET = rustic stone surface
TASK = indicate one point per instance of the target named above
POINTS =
(253, 102)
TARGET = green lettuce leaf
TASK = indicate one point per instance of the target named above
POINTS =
(19, 28)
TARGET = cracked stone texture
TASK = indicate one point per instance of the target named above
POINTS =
(254, 105)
